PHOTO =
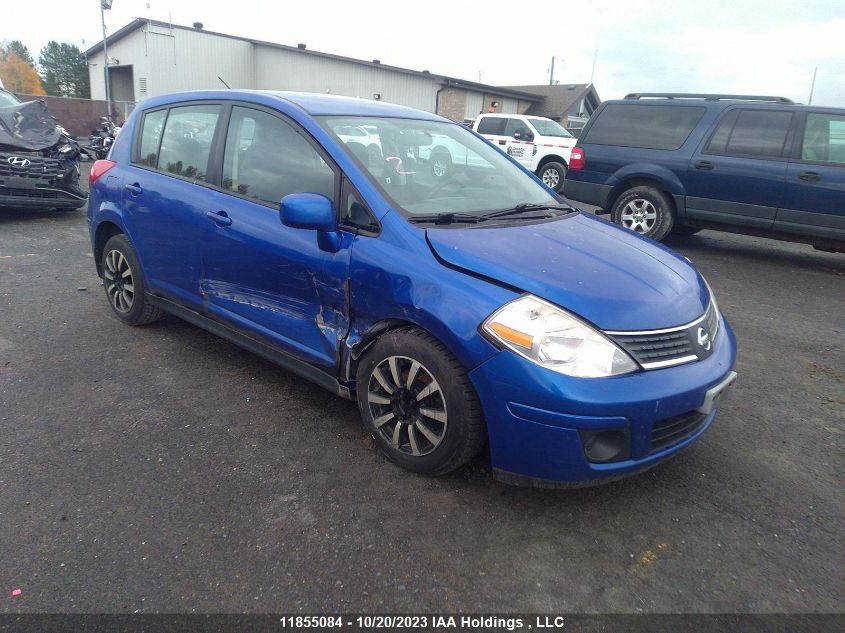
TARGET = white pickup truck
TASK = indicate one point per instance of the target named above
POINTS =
(538, 143)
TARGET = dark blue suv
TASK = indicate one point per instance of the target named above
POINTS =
(663, 163)
(461, 311)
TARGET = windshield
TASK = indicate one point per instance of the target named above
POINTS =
(7, 99)
(428, 168)
(547, 127)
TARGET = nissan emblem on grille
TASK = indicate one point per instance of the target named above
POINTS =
(18, 161)
(704, 339)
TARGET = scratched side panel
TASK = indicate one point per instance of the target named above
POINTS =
(395, 276)
(275, 282)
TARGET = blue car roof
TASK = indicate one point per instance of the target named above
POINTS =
(313, 103)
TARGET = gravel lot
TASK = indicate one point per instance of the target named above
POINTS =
(163, 469)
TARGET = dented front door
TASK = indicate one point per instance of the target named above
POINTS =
(273, 282)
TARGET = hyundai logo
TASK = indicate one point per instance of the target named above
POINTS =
(18, 161)
(704, 339)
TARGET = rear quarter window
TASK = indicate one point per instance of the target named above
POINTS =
(644, 126)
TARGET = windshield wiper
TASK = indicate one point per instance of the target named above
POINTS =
(446, 218)
(526, 206)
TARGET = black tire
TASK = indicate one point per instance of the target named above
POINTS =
(126, 298)
(680, 229)
(462, 432)
(553, 174)
(441, 163)
(634, 208)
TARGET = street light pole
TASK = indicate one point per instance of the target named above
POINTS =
(552, 71)
(106, 4)
(813, 86)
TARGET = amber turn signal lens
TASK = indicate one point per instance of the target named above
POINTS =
(513, 336)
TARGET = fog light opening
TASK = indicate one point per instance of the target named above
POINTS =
(609, 445)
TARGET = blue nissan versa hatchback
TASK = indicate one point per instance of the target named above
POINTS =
(459, 312)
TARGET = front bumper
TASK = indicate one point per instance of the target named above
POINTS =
(536, 417)
(42, 197)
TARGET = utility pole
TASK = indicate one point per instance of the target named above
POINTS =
(106, 4)
(593, 71)
(552, 72)
(812, 86)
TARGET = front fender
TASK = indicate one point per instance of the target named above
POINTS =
(396, 280)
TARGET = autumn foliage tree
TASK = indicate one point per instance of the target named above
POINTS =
(17, 75)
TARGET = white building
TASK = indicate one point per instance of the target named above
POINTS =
(149, 58)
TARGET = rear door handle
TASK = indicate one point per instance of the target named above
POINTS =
(703, 164)
(811, 176)
(134, 189)
(221, 218)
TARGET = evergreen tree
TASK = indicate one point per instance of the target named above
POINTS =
(64, 70)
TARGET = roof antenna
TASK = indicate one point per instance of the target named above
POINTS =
(223, 82)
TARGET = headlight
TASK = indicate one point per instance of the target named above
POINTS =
(557, 340)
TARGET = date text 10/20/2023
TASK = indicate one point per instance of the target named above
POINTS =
(421, 622)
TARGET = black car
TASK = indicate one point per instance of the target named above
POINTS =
(38, 160)
(663, 163)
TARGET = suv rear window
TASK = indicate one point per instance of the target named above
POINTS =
(644, 126)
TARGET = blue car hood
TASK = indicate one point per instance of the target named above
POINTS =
(607, 275)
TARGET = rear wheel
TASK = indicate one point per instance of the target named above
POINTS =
(552, 175)
(441, 164)
(418, 403)
(124, 285)
(644, 210)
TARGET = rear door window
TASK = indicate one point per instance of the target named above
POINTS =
(492, 125)
(153, 126)
(644, 126)
(186, 141)
(745, 132)
(824, 138)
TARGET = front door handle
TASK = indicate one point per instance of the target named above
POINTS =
(703, 164)
(220, 218)
(811, 176)
(134, 189)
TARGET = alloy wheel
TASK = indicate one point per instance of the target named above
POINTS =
(438, 167)
(407, 405)
(551, 178)
(120, 286)
(639, 215)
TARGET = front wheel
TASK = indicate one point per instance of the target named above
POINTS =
(644, 210)
(552, 175)
(418, 403)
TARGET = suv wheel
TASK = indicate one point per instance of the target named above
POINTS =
(552, 175)
(644, 210)
(418, 403)
(124, 285)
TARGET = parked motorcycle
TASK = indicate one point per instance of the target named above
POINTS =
(102, 138)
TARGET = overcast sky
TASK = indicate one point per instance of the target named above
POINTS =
(734, 46)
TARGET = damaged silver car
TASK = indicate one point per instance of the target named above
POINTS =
(38, 159)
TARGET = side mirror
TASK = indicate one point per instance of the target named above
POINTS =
(315, 212)
(517, 136)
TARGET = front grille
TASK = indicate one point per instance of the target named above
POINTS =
(664, 348)
(35, 194)
(39, 167)
(668, 432)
